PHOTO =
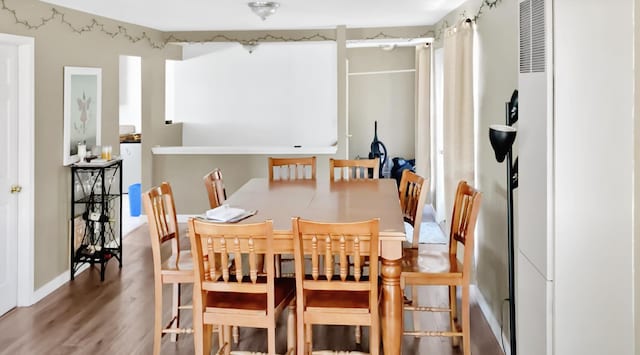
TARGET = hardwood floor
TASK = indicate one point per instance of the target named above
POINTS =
(87, 316)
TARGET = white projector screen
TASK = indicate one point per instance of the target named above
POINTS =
(281, 94)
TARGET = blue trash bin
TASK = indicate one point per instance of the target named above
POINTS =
(135, 195)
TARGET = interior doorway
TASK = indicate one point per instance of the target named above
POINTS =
(8, 177)
(16, 171)
(130, 119)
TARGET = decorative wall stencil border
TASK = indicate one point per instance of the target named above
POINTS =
(122, 31)
(486, 4)
(490, 4)
(267, 37)
(80, 29)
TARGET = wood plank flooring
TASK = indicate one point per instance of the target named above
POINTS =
(87, 316)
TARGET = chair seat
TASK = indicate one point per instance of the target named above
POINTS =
(182, 272)
(425, 267)
(185, 262)
(338, 301)
(233, 302)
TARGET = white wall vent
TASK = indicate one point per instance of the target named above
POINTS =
(525, 36)
(532, 37)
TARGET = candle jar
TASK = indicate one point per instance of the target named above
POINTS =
(106, 152)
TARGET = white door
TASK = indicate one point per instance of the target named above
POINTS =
(8, 177)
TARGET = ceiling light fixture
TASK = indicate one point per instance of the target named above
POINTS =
(263, 9)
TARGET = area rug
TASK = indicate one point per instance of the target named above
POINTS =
(430, 233)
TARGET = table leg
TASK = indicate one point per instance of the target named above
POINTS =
(391, 312)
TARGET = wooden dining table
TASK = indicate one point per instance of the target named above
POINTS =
(340, 201)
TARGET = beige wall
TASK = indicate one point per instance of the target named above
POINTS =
(57, 46)
(384, 97)
(185, 173)
(497, 46)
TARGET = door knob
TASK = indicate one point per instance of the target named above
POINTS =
(16, 189)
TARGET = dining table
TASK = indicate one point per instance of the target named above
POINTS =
(337, 201)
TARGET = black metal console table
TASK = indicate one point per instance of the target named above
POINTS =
(96, 214)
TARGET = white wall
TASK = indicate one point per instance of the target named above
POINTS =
(281, 94)
(130, 87)
(594, 177)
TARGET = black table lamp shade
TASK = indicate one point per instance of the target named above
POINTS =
(502, 138)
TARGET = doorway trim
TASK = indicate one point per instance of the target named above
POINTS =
(26, 159)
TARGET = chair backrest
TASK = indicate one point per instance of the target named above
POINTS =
(413, 196)
(220, 241)
(322, 243)
(215, 188)
(353, 169)
(160, 208)
(463, 223)
(292, 168)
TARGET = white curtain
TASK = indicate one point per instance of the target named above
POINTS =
(458, 110)
(423, 111)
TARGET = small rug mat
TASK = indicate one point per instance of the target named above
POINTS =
(430, 233)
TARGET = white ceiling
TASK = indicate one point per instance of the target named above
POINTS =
(202, 15)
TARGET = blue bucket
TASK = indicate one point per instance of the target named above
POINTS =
(135, 196)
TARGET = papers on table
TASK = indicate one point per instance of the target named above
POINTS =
(226, 213)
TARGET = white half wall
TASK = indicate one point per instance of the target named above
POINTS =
(279, 94)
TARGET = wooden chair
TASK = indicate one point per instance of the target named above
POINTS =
(217, 196)
(412, 200)
(444, 269)
(292, 168)
(240, 297)
(329, 295)
(354, 169)
(215, 188)
(413, 196)
(177, 269)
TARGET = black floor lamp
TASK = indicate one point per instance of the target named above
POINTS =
(502, 138)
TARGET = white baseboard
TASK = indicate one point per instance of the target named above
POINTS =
(494, 324)
(54, 284)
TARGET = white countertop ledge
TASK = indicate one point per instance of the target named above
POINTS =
(243, 150)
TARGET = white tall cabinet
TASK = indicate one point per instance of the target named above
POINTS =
(574, 206)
